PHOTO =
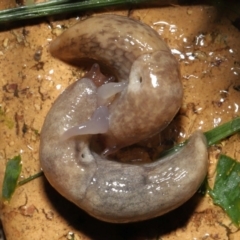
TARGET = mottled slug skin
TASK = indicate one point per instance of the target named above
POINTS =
(116, 41)
(108, 190)
(135, 53)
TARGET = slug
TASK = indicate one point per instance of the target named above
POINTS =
(144, 100)
(136, 55)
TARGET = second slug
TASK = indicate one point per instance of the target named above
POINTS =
(143, 101)
(137, 56)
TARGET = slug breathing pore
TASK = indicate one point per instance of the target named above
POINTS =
(140, 100)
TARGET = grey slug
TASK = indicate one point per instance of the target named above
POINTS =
(144, 100)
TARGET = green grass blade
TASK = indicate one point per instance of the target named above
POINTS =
(226, 190)
(12, 172)
(223, 131)
(32, 177)
(213, 136)
(58, 7)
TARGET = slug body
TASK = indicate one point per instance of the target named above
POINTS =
(148, 96)
(137, 55)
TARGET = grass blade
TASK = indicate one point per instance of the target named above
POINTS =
(12, 172)
(226, 190)
(58, 7)
(223, 131)
(213, 136)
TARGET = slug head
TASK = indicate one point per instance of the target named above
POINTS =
(149, 102)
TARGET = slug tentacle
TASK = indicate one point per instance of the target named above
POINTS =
(97, 124)
(108, 90)
(144, 100)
